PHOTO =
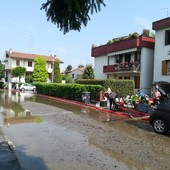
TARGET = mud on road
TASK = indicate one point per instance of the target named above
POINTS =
(129, 141)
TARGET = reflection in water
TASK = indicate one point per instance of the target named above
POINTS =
(11, 110)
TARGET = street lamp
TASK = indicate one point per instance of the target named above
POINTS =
(53, 68)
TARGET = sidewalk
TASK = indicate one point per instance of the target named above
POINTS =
(8, 159)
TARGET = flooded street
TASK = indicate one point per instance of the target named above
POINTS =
(53, 135)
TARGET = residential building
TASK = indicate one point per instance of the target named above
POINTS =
(76, 72)
(130, 59)
(13, 59)
(162, 50)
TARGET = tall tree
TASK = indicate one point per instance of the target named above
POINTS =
(57, 75)
(88, 72)
(18, 72)
(70, 14)
(40, 73)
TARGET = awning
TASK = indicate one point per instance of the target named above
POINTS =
(123, 51)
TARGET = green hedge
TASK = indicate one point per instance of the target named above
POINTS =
(74, 91)
(122, 87)
(68, 91)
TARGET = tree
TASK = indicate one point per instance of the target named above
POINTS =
(70, 14)
(2, 67)
(69, 68)
(18, 72)
(28, 79)
(57, 76)
(88, 72)
(146, 32)
(40, 73)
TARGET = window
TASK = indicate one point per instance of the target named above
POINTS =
(73, 76)
(117, 60)
(166, 67)
(167, 37)
(29, 63)
(52, 65)
(120, 58)
(17, 62)
(127, 57)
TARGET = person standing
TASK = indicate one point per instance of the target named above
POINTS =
(112, 99)
(157, 97)
(108, 92)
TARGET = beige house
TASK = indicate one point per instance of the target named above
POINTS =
(76, 72)
(13, 59)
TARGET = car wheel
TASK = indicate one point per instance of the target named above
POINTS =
(159, 126)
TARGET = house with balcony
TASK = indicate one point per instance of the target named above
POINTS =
(13, 59)
(162, 50)
(128, 59)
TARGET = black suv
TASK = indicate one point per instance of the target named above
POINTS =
(160, 117)
(163, 87)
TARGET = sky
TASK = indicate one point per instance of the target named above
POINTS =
(24, 28)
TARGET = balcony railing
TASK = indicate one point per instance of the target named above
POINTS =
(122, 67)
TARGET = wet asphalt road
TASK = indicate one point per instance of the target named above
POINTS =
(59, 136)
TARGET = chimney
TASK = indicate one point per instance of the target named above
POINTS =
(10, 51)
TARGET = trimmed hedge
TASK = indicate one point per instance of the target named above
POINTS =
(69, 91)
(74, 91)
(122, 87)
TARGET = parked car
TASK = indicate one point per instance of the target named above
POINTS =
(160, 117)
(27, 87)
(163, 87)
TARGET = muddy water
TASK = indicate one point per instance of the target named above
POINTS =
(41, 145)
(58, 136)
(44, 146)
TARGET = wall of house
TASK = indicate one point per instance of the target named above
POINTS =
(161, 53)
(76, 73)
(146, 75)
(99, 62)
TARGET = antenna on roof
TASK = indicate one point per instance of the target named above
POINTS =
(167, 11)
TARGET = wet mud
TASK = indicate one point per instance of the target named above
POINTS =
(62, 140)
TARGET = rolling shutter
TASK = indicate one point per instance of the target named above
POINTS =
(164, 67)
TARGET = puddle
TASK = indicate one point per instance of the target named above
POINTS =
(45, 140)
(45, 146)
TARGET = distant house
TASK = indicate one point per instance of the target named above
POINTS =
(129, 59)
(76, 72)
(162, 50)
(13, 59)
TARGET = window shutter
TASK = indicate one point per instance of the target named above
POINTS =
(164, 67)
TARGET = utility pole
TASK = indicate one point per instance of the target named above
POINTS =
(52, 71)
(53, 68)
